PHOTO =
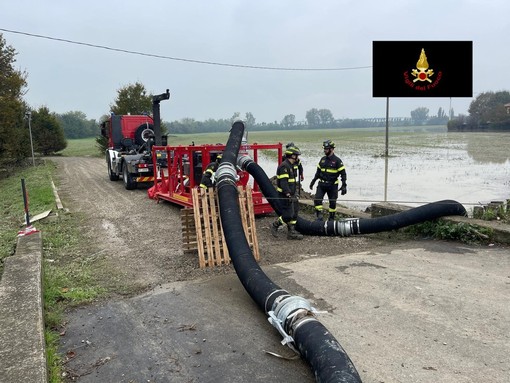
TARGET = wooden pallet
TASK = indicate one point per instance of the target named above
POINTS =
(202, 231)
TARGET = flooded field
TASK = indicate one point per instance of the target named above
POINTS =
(423, 165)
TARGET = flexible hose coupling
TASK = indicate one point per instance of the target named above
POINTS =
(226, 174)
(243, 161)
(288, 314)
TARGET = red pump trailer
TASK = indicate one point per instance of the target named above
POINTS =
(179, 169)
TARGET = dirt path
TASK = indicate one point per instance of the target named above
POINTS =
(140, 240)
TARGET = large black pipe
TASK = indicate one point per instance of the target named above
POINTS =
(293, 316)
(350, 226)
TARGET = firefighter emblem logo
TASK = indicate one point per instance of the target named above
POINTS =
(423, 75)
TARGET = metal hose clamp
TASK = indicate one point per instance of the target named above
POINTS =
(288, 312)
(226, 173)
(243, 161)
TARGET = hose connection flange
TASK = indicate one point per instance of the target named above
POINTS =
(344, 227)
(226, 174)
(287, 314)
(243, 161)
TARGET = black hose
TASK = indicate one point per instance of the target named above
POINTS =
(291, 315)
(348, 227)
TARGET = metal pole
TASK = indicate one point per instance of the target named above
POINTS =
(25, 202)
(386, 150)
(29, 116)
(387, 124)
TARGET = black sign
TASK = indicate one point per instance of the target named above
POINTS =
(422, 69)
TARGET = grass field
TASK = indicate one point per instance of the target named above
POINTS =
(88, 146)
(81, 147)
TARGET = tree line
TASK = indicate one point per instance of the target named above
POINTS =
(490, 111)
(135, 99)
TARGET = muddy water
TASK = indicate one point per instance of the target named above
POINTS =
(471, 168)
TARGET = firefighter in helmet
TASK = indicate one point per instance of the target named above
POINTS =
(207, 180)
(286, 185)
(329, 169)
(298, 166)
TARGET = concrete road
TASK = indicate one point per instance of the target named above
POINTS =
(420, 312)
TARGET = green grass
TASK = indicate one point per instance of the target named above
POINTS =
(82, 147)
(68, 279)
(13, 216)
(88, 147)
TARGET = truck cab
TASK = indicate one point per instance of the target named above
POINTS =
(128, 155)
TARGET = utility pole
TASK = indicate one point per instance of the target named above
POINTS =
(28, 115)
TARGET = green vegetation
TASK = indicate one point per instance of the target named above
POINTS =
(82, 147)
(47, 134)
(76, 125)
(441, 229)
(13, 130)
(132, 99)
(493, 211)
(13, 216)
(486, 113)
(68, 277)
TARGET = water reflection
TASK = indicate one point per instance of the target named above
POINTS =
(488, 147)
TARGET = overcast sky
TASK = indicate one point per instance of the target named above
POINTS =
(264, 33)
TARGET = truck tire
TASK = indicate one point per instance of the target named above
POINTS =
(143, 132)
(113, 176)
(129, 183)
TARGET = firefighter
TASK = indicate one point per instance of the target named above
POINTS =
(207, 180)
(286, 185)
(298, 166)
(329, 169)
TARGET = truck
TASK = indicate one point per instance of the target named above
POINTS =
(139, 153)
(130, 140)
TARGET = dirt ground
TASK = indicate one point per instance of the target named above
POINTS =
(140, 241)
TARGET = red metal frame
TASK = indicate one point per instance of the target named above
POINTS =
(186, 164)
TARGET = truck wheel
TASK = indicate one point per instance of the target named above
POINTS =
(142, 133)
(113, 176)
(129, 183)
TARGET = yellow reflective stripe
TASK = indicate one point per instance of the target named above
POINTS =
(332, 170)
(282, 176)
(292, 180)
(293, 222)
(342, 168)
(203, 186)
(209, 171)
(331, 210)
(279, 190)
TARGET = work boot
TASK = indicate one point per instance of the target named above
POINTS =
(274, 227)
(331, 216)
(319, 215)
(292, 233)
